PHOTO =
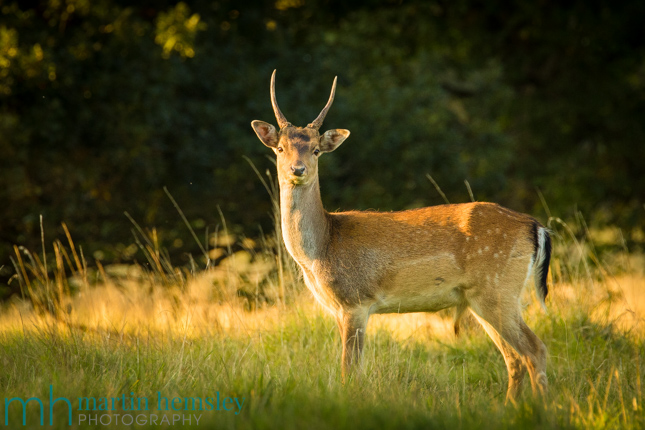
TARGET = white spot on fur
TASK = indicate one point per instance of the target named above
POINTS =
(479, 251)
(496, 255)
(489, 231)
(486, 248)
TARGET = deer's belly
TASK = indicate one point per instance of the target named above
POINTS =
(426, 285)
(429, 301)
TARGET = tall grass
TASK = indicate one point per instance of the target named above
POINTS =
(246, 327)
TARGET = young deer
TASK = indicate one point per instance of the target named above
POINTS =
(475, 256)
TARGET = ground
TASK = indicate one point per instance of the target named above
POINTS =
(246, 337)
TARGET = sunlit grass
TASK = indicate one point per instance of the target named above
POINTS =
(246, 329)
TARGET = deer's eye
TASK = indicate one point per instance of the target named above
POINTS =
(316, 151)
(280, 149)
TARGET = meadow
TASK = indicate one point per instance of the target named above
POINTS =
(104, 102)
(247, 329)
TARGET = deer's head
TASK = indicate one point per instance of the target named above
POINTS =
(298, 148)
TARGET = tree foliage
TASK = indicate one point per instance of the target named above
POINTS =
(103, 103)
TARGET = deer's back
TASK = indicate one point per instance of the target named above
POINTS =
(371, 255)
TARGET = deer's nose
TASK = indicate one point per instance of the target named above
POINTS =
(298, 170)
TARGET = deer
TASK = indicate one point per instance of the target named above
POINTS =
(474, 257)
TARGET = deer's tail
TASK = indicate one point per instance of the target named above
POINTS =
(541, 260)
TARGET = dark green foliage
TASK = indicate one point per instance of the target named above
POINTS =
(103, 103)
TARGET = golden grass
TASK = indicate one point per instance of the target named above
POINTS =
(134, 303)
(258, 317)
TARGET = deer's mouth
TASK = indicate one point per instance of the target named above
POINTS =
(298, 180)
(302, 179)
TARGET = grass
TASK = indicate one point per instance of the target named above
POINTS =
(247, 328)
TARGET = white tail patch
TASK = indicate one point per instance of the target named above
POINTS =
(539, 265)
(536, 265)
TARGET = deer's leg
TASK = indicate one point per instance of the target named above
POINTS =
(537, 362)
(352, 332)
(514, 362)
(502, 320)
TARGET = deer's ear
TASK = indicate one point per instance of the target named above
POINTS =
(332, 139)
(266, 132)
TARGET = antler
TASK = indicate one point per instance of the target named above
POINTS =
(317, 123)
(282, 121)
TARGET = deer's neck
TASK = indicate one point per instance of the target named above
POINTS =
(305, 224)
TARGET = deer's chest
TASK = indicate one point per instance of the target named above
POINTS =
(322, 291)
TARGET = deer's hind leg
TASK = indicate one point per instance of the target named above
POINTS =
(521, 348)
(514, 362)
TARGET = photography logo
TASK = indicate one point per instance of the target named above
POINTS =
(122, 410)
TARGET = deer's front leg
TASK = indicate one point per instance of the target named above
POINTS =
(352, 331)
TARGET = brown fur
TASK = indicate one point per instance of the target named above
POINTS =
(475, 256)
